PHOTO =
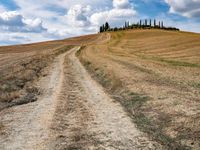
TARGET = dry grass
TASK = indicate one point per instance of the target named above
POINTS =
(22, 65)
(155, 75)
(18, 83)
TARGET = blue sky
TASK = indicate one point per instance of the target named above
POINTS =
(27, 21)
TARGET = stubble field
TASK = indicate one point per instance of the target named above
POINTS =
(155, 75)
(147, 94)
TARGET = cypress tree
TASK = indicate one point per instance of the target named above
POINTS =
(162, 25)
(103, 28)
(150, 23)
(107, 26)
(154, 22)
(145, 22)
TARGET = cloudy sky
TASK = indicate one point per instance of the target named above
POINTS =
(27, 21)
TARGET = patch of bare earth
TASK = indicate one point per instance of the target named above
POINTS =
(87, 118)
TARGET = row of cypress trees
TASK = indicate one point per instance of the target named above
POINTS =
(142, 24)
(151, 23)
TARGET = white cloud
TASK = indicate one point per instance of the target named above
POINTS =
(121, 4)
(113, 16)
(11, 18)
(40, 7)
(81, 16)
(71, 22)
(12, 21)
(121, 11)
(55, 19)
(187, 8)
(16, 29)
(78, 15)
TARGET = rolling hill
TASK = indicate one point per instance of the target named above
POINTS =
(155, 75)
(131, 89)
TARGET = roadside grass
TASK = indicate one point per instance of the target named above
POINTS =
(133, 103)
(62, 50)
(18, 83)
(79, 51)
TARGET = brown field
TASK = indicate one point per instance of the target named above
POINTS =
(22, 65)
(147, 94)
(10, 55)
(155, 75)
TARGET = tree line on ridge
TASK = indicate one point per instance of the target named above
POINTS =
(142, 24)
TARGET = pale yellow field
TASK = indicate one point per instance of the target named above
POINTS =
(150, 96)
(155, 75)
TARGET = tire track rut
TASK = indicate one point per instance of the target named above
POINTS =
(87, 118)
(74, 112)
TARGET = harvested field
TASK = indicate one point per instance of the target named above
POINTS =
(72, 112)
(155, 75)
(21, 67)
(141, 90)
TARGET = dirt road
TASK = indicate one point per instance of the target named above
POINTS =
(27, 126)
(73, 112)
(87, 118)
